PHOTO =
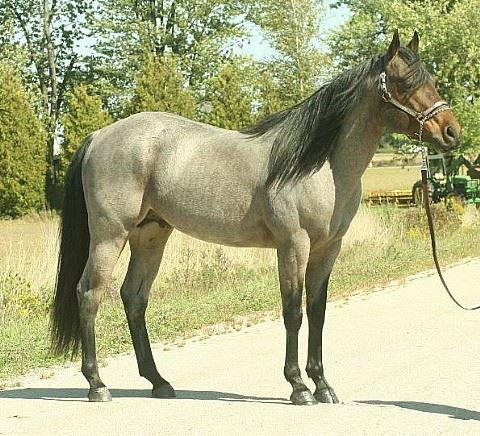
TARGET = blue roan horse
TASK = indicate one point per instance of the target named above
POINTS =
(291, 182)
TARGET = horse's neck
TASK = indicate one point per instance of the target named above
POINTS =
(356, 145)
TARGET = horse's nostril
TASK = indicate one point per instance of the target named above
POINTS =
(451, 133)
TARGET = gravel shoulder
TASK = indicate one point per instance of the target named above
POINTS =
(403, 360)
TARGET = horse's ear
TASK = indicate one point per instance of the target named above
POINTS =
(413, 44)
(394, 46)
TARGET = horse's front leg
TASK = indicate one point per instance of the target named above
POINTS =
(316, 283)
(292, 260)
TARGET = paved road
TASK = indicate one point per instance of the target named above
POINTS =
(403, 360)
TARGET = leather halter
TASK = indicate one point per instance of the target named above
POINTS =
(421, 117)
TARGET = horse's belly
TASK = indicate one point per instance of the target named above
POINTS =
(233, 237)
(232, 234)
(231, 224)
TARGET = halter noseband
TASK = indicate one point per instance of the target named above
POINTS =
(421, 117)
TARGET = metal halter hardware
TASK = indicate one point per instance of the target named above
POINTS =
(421, 117)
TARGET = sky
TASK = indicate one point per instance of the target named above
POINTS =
(260, 49)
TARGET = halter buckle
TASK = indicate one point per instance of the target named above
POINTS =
(386, 96)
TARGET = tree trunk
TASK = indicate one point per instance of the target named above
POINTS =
(53, 106)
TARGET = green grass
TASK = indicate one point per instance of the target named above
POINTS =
(223, 291)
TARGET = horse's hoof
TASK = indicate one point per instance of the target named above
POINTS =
(99, 395)
(325, 395)
(163, 391)
(303, 398)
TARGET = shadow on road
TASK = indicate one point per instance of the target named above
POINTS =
(441, 409)
(72, 394)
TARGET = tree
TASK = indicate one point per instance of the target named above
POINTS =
(269, 97)
(200, 33)
(22, 150)
(230, 101)
(159, 86)
(83, 115)
(450, 42)
(48, 31)
(292, 28)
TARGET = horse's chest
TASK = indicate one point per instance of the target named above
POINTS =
(328, 218)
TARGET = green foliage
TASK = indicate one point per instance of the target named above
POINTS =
(269, 95)
(22, 150)
(19, 301)
(160, 86)
(83, 115)
(467, 110)
(48, 32)
(447, 217)
(292, 27)
(449, 46)
(231, 103)
(200, 33)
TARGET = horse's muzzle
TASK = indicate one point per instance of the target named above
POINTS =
(451, 136)
(448, 142)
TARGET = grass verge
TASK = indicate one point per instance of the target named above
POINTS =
(192, 294)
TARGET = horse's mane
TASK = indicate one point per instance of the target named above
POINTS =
(306, 134)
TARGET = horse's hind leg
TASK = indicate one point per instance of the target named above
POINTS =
(292, 260)
(147, 244)
(318, 272)
(102, 258)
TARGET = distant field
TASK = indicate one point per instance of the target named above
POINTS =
(394, 159)
(390, 178)
(383, 158)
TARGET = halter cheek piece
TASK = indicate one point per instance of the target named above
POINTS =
(421, 117)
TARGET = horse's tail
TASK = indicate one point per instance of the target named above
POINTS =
(72, 258)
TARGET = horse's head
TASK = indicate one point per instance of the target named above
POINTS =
(411, 103)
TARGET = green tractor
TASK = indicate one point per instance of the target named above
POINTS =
(455, 179)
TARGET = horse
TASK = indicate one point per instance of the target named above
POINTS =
(291, 182)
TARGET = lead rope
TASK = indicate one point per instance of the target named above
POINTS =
(426, 204)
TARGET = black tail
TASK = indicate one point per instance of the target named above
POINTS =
(73, 255)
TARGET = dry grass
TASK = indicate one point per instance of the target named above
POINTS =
(389, 178)
(28, 248)
(367, 226)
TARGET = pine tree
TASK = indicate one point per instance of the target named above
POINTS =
(160, 86)
(49, 33)
(83, 115)
(270, 98)
(23, 149)
(231, 104)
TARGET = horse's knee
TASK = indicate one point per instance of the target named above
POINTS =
(292, 318)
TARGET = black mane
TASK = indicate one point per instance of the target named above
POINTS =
(306, 134)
